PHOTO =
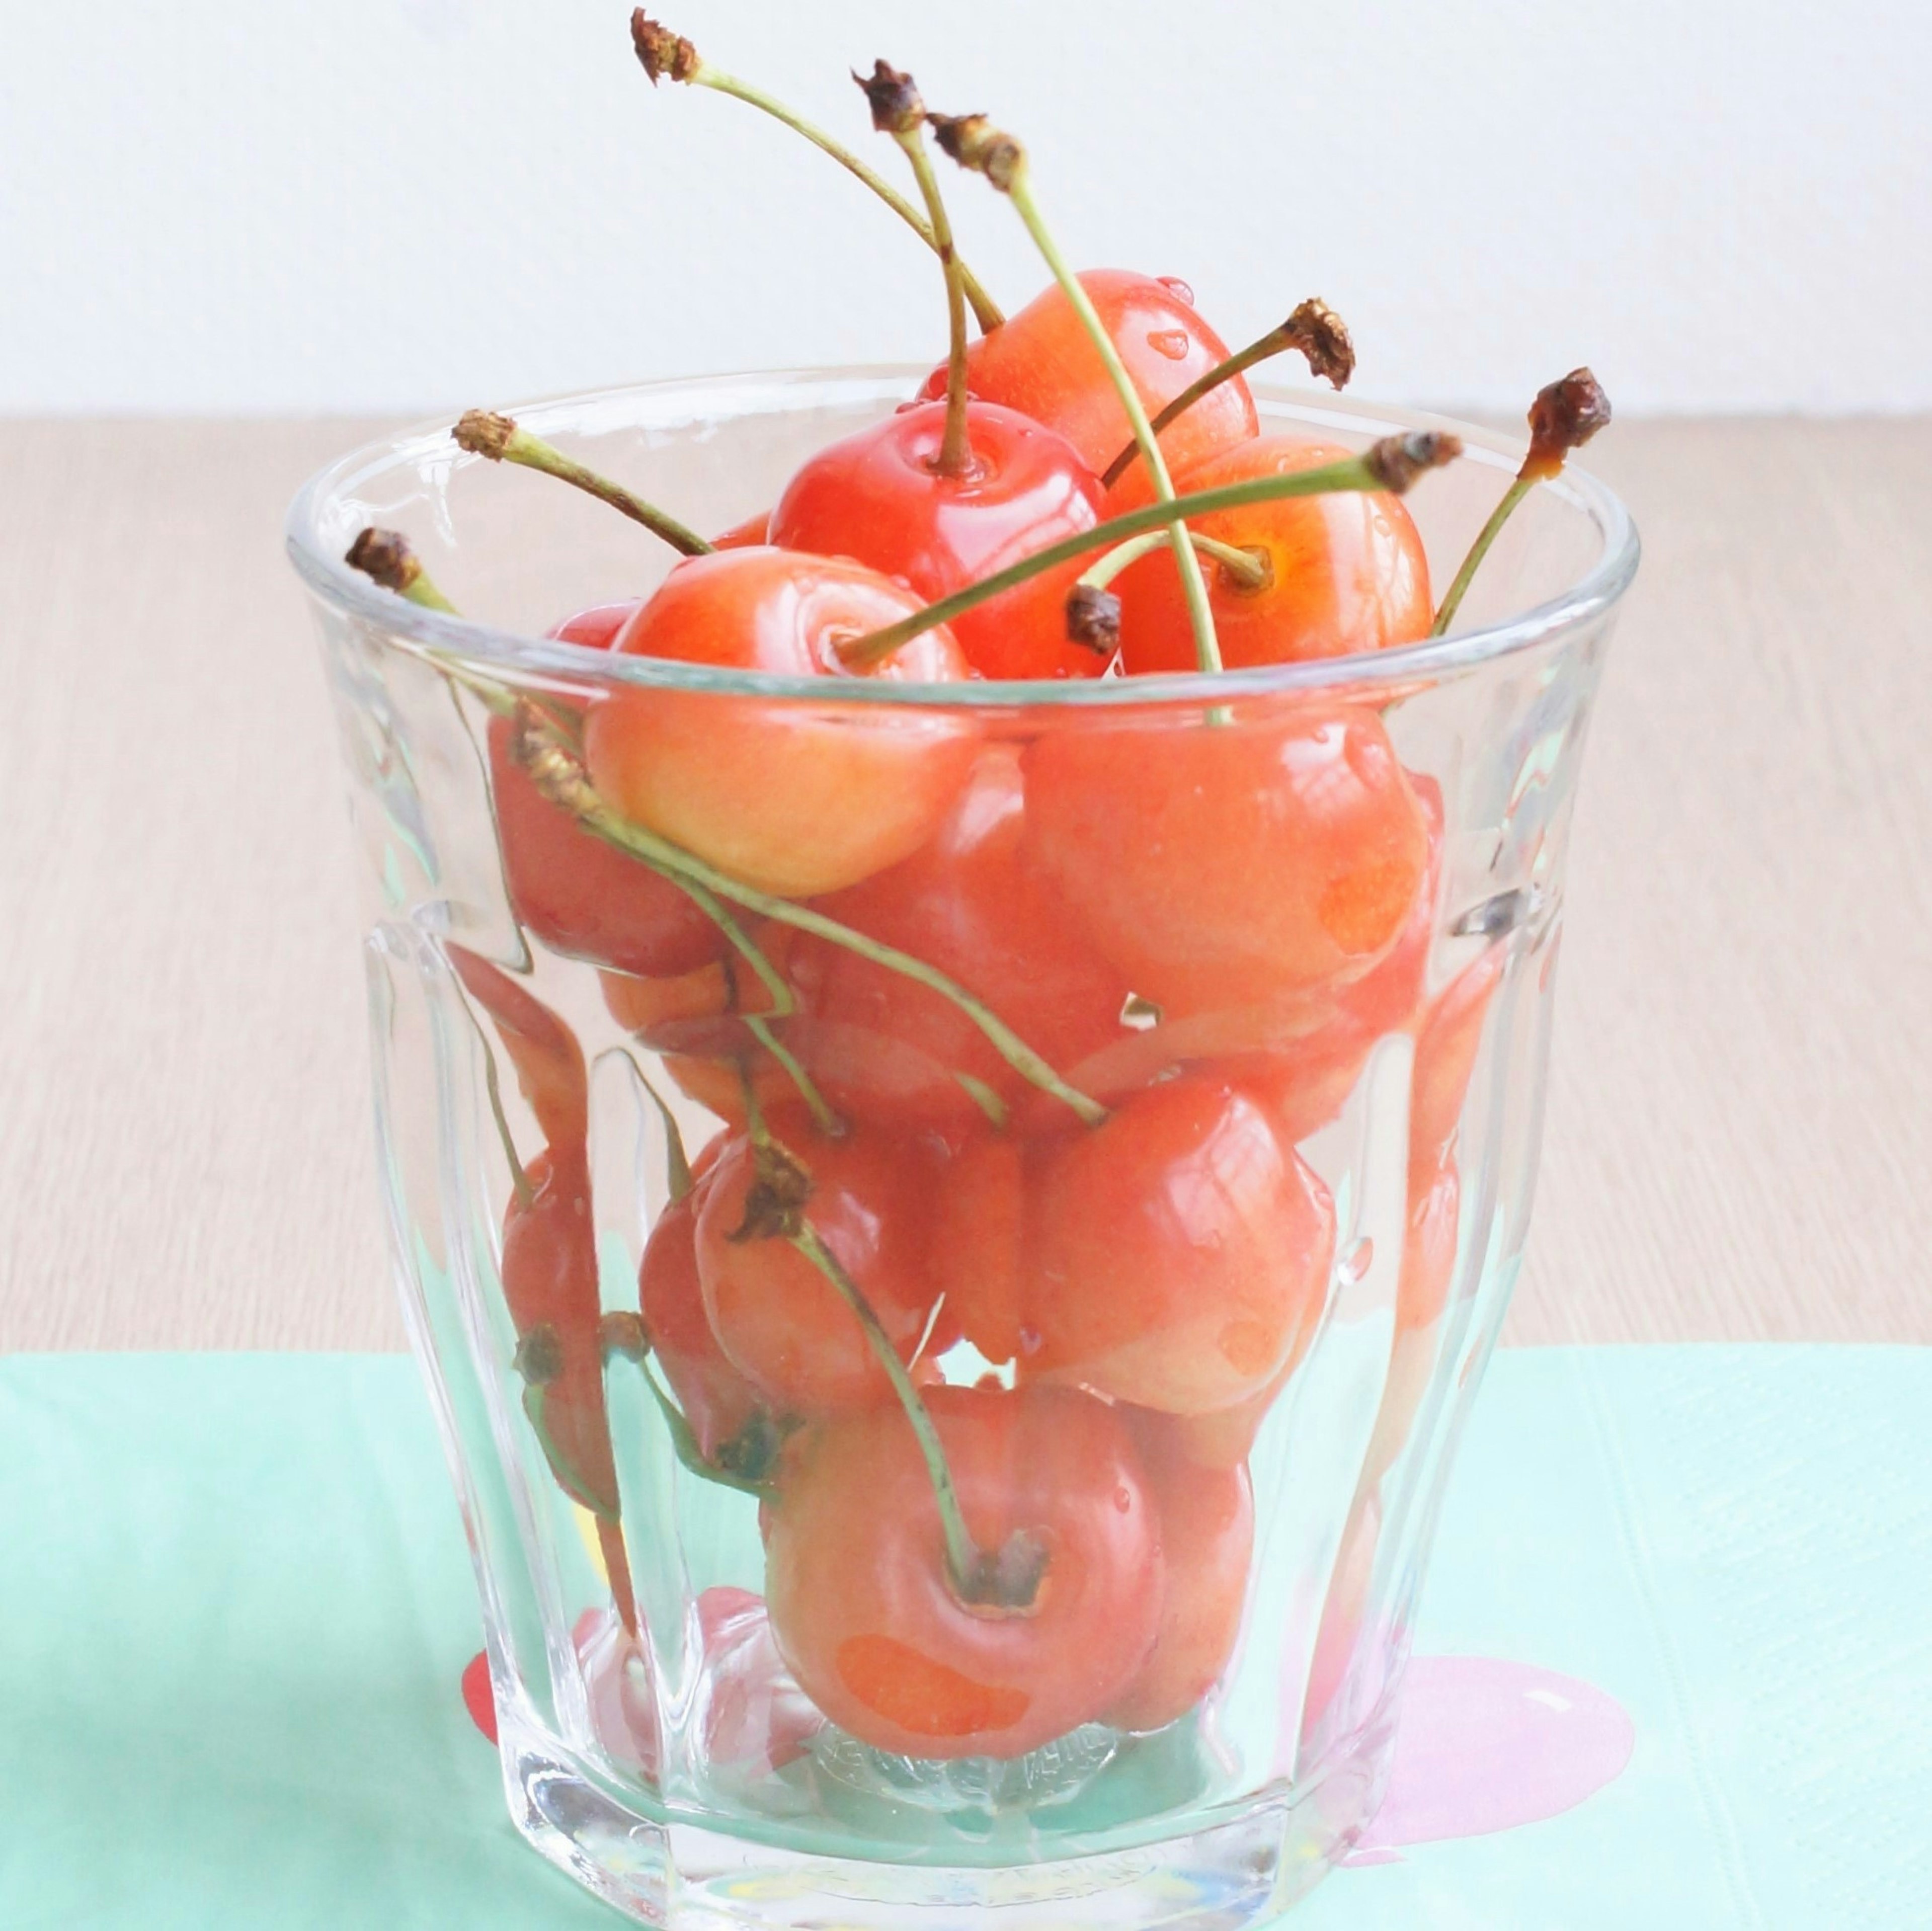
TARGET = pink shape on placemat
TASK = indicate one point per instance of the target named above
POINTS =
(1484, 1745)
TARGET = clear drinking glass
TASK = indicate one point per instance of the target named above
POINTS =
(1169, 1698)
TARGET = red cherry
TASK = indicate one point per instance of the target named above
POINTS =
(780, 1322)
(478, 1697)
(866, 1616)
(717, 1401)
(877, 497)
(795, 800)
(581, 896)
(749, 534)
(715, 1085)
(1224, 865)
(886, 1048)
(1428, 1268)
(544, 1052)
(1445, 1058)
(1181, 1251)
(1041, 363)
(981, 1244)
(1345, 572)
(550, 1284)
(1206, 1519)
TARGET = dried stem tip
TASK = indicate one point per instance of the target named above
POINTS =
(661, 51)
(1323, 336)
(384, 556)
(484, 432)
(893, 97)
(1395, 461)
(1094, 618)
(979, 147)
(1563, 417)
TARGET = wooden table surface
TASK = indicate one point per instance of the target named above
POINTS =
(1739, 1140)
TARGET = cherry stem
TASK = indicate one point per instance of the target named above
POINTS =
(1452, 601)
(828, 1122)
(684, 1445)
(1016, 181)
(559, 773)
(1314, 329)
(1565, 416)
(1247, 569)
(955, 452)
(484, 432)
(385, 558)
(1392, 464)
(681, 61)
(519, 1179)
(962, 1553)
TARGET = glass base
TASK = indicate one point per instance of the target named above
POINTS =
(1224, 1875)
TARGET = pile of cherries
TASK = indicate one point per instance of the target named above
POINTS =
(1013, 1031)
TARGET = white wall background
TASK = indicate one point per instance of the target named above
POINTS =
(239, 205)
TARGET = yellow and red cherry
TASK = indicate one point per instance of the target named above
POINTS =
(545, 1053)
(881, 495)
(1230, 864)
(753, 532)
(581, 896)
(1446, 1046)
(717, 1401)
(874, 1627)
(884, 1048)
(794, 797)
(1181, 1251)
(1041, 362)
(1206, 1522)
(780, 1321)
(1340, 573)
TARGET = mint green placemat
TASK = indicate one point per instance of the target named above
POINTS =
(1687, 1592)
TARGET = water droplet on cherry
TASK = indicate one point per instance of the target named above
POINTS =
(1123, 1499)
(1029, 1341)
(1171, 343)
(1175, 285)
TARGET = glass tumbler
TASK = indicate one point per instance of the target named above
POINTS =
(948, 1355)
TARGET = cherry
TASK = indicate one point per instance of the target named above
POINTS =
(581, 896)
(1206, 1520)
(1300, 1053)
(884, 1048)
(549, 1061)
(795, 801)
(864, 1612)
(1179, 1253)
(550, 1284)
(779, 1321)
(1445, 1058)
(751, 534)
(1041, 363)
(1226, 864)
(881, 495)
(1428, 1268)
(716, 1400)
(1341, 572)
(719, 1084)
(981, 1244)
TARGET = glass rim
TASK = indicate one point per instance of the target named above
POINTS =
(468, 640)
